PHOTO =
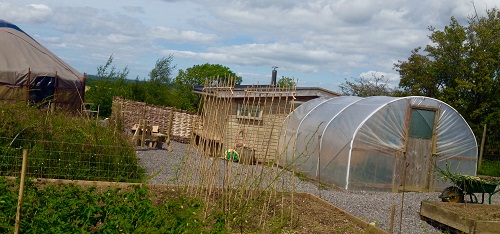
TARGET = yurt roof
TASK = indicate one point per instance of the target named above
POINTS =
(20, 55)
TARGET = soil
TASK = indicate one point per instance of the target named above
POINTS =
(472, 211)
(309, 215)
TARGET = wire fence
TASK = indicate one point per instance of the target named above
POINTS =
(62, 160)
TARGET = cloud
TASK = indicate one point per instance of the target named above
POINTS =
(291, 56)
(93, 21)
(32, 13)
(176, 35)
(320, 41)
(356, 12)
(134, 9)
(316, 35)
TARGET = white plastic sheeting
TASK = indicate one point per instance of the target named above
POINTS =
(358, 141)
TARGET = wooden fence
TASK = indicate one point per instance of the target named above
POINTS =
(180, 122)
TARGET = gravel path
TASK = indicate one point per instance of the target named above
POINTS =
(368, 205)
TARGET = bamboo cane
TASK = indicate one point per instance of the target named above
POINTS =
(482, 148)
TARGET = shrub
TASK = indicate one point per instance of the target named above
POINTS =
(64, 146)
(68, 208)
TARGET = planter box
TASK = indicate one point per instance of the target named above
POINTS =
(462, 217)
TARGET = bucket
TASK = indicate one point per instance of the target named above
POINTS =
(232, 155)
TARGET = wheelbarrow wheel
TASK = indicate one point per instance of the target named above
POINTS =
(452, 194)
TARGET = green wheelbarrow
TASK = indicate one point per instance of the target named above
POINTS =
(469, 185)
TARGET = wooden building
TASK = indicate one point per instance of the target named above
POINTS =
(247, 118)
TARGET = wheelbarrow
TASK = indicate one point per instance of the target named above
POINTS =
(469, 185)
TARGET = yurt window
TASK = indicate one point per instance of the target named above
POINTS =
(43, 89)
(422, 123)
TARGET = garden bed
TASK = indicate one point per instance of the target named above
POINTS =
(310, 213)
(462, 217)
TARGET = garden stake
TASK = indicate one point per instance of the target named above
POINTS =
(393, 210)
(255, 190)
(403, 193)
(319, 167)
(21, 191)
(482, 148)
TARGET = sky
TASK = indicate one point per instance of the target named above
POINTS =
(318, 43)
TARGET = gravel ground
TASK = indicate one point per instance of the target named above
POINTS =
(370, 206)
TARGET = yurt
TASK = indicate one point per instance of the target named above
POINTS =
(30, 72)
(377, 143)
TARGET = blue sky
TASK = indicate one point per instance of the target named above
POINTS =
(320, 43)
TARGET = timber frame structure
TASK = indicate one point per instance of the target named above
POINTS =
(247, 118)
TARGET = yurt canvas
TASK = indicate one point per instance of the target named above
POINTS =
(30, 72)
(383, 143)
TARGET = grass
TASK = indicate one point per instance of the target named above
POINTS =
(301, 176)
(489, 168)
(62, 145)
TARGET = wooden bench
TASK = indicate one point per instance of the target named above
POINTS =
(143, 134)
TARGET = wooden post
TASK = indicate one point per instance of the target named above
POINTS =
(482, 148)
(28, 86)
(82, 94)
(21, 191)
(318, 170)
(405, 165)
(431, 181)
(142, 128)
(56, 92)
(169, 131)
(142, 124)
(393, 210)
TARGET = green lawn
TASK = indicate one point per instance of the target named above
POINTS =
(490, 168)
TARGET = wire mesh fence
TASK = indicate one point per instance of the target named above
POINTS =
(62, 160)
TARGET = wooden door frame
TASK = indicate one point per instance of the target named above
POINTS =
(430, 184)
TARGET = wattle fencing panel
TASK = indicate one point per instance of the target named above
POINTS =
(180, 123)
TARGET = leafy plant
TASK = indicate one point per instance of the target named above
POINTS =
(64, 146)
(68, 208)
(457, 178)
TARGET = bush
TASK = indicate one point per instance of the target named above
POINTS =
(64, 146)
(69, 208)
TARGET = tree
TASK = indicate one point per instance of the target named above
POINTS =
(163, 71)
(197, 75)
(109, 83)
(365, 87)
(416, 76)
(158, 88)
(286, 82)
(463, 64)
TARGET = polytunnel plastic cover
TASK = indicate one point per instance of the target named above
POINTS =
(364, 142)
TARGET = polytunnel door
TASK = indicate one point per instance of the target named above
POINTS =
(418, 162)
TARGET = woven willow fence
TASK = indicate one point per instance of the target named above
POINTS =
(180, 122)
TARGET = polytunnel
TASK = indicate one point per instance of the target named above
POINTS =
(379, 142)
